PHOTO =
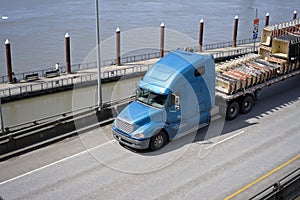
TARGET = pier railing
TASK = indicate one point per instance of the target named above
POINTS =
(127, 59)
(89, 78)
(82, 79)
(227, 44)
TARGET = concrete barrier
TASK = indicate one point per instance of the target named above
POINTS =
(20, 140)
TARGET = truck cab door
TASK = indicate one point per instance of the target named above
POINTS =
(174, 113)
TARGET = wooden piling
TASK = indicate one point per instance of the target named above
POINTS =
(295, 15)
(1, 119)
(267, 19)
(118, 49)
(201, 35)
(236, 22)
(68, 54)
(8, 62)
(162, 39)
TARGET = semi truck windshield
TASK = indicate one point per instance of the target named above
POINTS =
(151, 98)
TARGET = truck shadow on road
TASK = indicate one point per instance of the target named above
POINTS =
(271, 101)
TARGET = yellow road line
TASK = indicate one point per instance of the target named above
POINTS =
(262, 177)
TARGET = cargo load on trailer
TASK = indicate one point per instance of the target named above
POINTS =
(277, 56)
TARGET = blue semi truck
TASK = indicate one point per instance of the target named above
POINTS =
(178, 93)
(175, 95)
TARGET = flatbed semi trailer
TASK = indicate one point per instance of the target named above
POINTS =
(238, 81)
(181, 91)
(242, 101)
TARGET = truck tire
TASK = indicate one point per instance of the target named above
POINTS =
(158, 141)
(247, 104)
(232, 110)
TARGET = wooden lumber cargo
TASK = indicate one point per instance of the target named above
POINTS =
(264, 51)
(262, 76)
(226, 84)
(281, 62)
(242, 73)
(233, 63)
(276, 30)
(272, 67)
(242, 80)
(257, 73)
(248, 77)
(279, 54)
(286, 47)
(250, 73)
(266, 38)
(275, 67)
(266, 71)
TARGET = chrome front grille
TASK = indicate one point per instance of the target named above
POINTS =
(125, 126)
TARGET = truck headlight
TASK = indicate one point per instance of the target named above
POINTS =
(138, 136)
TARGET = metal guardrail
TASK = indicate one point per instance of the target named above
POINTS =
(34, 134)
(285, 188)
(127, 59)
(80, 111)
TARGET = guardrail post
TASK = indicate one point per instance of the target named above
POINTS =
(118, 49)
(8, 62)
(201, 35)
(162, 37)
(236, 22)
(68, 54)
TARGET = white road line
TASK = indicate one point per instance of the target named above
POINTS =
(211, 146)
(56, 162)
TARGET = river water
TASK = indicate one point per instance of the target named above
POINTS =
(36, 31)
(26, 110)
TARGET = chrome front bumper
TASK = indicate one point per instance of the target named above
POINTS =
(135, 144)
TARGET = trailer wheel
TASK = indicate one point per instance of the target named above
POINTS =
(247, 104)
(158, 141)
(232, 110)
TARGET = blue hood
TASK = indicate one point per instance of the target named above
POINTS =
(140, 114)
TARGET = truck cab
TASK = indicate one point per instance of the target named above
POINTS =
(174, 97)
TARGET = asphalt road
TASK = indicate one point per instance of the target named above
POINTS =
(237, 158)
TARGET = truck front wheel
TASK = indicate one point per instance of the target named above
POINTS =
(158, 141)
(232, 110)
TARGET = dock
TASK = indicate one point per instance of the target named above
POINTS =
(86, 74)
